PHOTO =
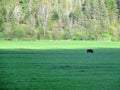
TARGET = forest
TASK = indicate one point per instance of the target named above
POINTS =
(60, 20)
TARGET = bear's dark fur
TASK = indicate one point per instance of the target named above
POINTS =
(90, 51)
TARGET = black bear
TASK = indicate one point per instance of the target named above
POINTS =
(90, 51)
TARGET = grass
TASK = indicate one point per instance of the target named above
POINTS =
(59, 65)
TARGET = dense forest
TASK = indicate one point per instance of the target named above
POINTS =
(60, 20)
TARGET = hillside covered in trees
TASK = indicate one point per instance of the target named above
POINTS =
(60, 19)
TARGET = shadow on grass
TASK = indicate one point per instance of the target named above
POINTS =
(39, 51)
(62, 69)
(63, 54)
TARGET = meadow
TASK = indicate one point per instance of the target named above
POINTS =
(59, 65)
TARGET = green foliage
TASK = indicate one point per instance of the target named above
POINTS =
(55, 16)
(77, 36)
(73, 16)
(2, 20)
(66, 35)
(18, 32)
(1, 36)
(40, 28)
(107, 36)
(42, 19)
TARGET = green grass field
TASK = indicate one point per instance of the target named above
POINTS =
(59, 65)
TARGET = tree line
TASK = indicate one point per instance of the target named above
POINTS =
(60, 19)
